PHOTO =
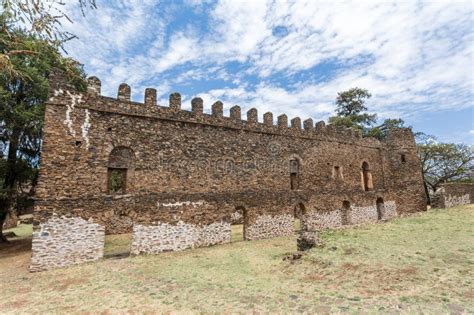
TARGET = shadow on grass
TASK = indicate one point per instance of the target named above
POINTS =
(16, 246)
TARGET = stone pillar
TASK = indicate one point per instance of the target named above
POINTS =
(252, 116)
(296, 123)
(93, 85)
(235, 112)
(308, 124)
(124, 92)
(268, 119)
(197, 106)
(150, 97)
(217, 109)
(282, 121)
(175, 101)
(320, 126)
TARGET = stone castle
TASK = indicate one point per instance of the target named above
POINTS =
(178, 179)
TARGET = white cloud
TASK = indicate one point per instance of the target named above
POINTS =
(414, 57)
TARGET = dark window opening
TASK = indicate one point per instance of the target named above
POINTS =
(337, 173)
(294, 174)
(117, 180)
(403, 158)
(380, 208)
(109, 129)
(78, 143)
(366, 177)
(346, 208)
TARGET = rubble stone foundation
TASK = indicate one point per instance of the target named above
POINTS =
(63, 241)
(166, 237)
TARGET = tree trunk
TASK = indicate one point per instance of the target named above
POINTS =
(3, 239)
(10, 175)
(10, 180)
(427, 192)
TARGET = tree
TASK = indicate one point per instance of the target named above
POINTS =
(380, 132)
(444, 162)
(42, 19)
(23, 92)
(351, 110)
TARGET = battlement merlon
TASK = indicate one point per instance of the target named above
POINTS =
(62, 93)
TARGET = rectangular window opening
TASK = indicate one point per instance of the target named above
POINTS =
(117, 180)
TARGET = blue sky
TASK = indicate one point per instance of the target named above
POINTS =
(415, 57)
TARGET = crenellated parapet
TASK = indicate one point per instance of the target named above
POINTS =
(123, 104)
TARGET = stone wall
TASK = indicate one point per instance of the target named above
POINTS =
(453, 194)
(316, 220)
(188, 169)
(389, 210)
(166, 237)
(268, 226)
(358, 215)
(62, 241)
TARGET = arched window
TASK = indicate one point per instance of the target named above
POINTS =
(366, 177)
(380, 208)
(294, 174)
(121, 160)
(346, 208)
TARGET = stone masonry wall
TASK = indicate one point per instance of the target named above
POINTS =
(62, 241)
(453, 194)
(165, 237)
(358, 215)
(323, 220)
(202, 168)
(268, 226)
(389, 210)
(315, 220)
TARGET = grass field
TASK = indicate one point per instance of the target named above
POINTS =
(423, 263)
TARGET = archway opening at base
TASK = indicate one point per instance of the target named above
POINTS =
(380, 208)
(346, 208)
(299, 213)
(239, 223)
(117, 246)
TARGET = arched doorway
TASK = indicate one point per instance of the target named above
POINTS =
(238, 229)
(346, 208)
(120, 167)
(380, 208)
